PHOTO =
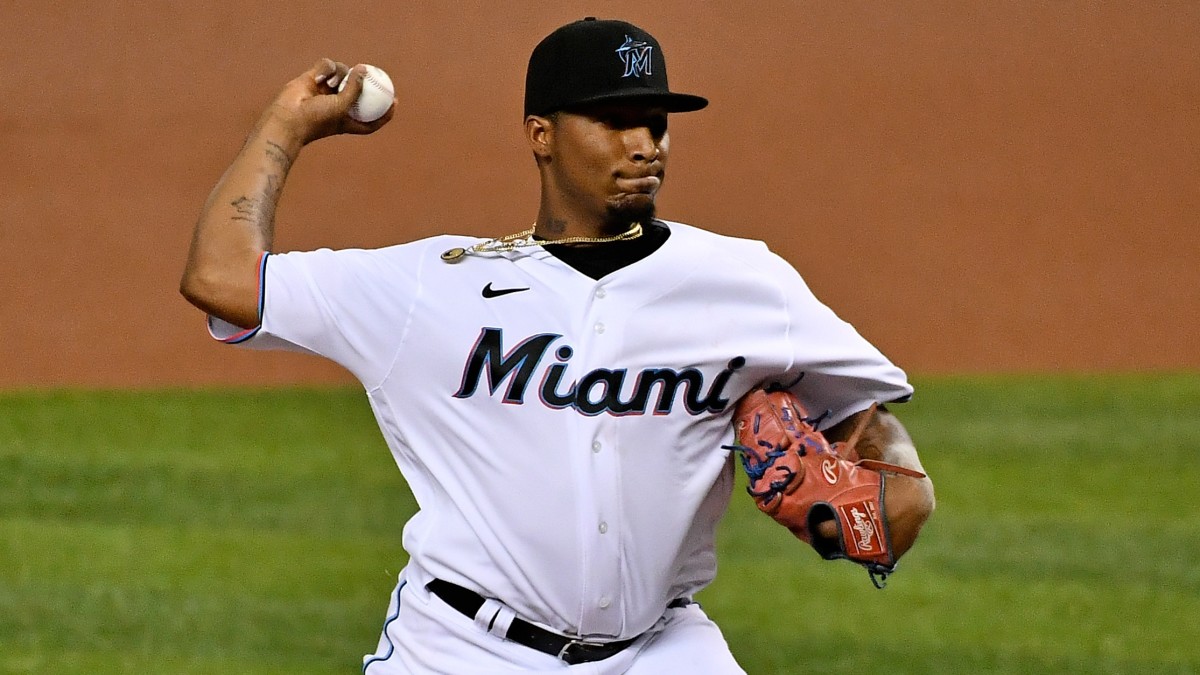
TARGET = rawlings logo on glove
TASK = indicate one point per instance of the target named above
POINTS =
(825, 494)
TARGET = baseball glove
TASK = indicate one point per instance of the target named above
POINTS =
(798, 478)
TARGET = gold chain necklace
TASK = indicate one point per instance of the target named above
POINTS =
(524, 238)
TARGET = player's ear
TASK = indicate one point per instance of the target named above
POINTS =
(539, 132)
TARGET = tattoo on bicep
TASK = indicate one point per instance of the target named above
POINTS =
(556, 226)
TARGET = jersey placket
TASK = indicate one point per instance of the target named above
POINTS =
(598, 463)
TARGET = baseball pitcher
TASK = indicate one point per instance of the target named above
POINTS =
(569, 402)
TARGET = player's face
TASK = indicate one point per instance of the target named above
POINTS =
(610, 159)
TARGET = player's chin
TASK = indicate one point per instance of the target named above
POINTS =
(629, 208)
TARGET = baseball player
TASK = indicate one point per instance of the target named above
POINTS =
(559, 399)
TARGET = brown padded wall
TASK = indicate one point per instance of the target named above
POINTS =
(976, 186)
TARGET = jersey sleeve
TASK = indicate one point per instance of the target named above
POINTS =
(351, 306)
(835, 370)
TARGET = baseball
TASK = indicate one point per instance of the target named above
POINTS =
(376, 97)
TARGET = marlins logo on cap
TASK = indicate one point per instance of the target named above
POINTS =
(574, 66)
(636, 55)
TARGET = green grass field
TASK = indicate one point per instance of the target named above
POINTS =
(258, 532)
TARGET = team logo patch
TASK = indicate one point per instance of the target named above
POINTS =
(863, 521)
(635, 54)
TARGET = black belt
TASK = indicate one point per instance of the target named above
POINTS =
(570, 650)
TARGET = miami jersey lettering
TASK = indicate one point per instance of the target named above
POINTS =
(598, 391)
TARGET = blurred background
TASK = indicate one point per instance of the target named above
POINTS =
(978, 187)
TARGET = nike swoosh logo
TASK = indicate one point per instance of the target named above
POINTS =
(489, 292)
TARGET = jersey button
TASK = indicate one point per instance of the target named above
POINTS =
(604, 602)
(599, 327)
(603, 527)
(596, 446)
(600, 293)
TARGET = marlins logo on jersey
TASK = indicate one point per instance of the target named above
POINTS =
(635, 54)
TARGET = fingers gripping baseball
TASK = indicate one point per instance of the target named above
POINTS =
(329, 73)
(313, 107)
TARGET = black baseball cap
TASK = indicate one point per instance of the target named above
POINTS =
(591, 61)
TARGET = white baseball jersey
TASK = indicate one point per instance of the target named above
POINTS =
(562, 435)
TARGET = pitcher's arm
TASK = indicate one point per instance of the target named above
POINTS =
(236, 225)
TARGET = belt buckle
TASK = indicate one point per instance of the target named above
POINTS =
(576, 651)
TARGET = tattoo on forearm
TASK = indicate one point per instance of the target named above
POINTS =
(260, 209)
(247, 208)
(279, 155)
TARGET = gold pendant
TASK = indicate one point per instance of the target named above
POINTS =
(454, 255)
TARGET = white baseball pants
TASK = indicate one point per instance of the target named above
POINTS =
(424, 636)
